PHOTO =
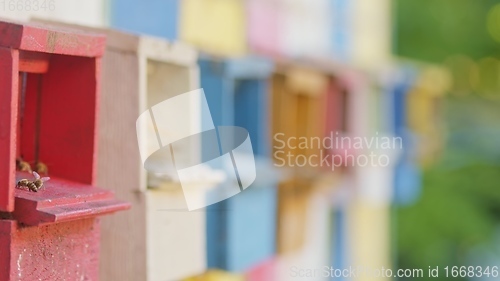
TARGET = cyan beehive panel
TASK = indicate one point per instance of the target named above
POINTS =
(241, 229)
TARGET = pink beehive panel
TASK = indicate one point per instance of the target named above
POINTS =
(265, 271)
(264, 30)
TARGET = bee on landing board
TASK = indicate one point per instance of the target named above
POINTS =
(41, 168)
(22, 165)
(32, 185)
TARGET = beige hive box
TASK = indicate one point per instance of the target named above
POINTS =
(298, 96)
(148, 242)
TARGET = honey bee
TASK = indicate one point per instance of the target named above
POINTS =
(22, 165)
(32, 185)
(41, 168)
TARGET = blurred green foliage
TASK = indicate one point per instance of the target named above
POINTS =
(459, 209)
(431, 30)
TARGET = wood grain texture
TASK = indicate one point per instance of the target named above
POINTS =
(52, 252)
(123, 255)
(39, 38)
(115, 40)
(6, 227)
(9, 67)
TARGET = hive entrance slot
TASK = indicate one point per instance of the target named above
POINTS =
(29, 123)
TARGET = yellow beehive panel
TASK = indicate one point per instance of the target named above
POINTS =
(217, 275)
(369, 238)
(370, 31)
(298, 111)
(292, 208)
(424, 109)
(215, 26)
(314, 252)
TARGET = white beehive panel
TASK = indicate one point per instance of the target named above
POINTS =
(361, 32)
(88, 12)
(176, 237)
(306, 28)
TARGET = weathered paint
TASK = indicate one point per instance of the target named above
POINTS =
(52, 233)
(63, 251)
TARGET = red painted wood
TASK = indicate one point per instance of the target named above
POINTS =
(68, 121)
(52, 234)
(62, 200)
(8, 125)
(45, 39)
(63, 251)
(69, 90)
(336, 108)
(33, 62)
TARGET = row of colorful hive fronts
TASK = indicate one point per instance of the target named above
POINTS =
(303, 218)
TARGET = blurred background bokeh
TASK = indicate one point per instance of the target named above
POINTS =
(425, 71)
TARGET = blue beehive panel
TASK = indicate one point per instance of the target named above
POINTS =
(399, 122)
(407, 176)
(217, 235)
(252, 222)
(218, 95)
(341, 35)
(241, 229)
(339, 242)
(252, 112)
(218, 90)
(407, 182)
(154, 17)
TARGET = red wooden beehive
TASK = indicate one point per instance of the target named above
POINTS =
(49, 100)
